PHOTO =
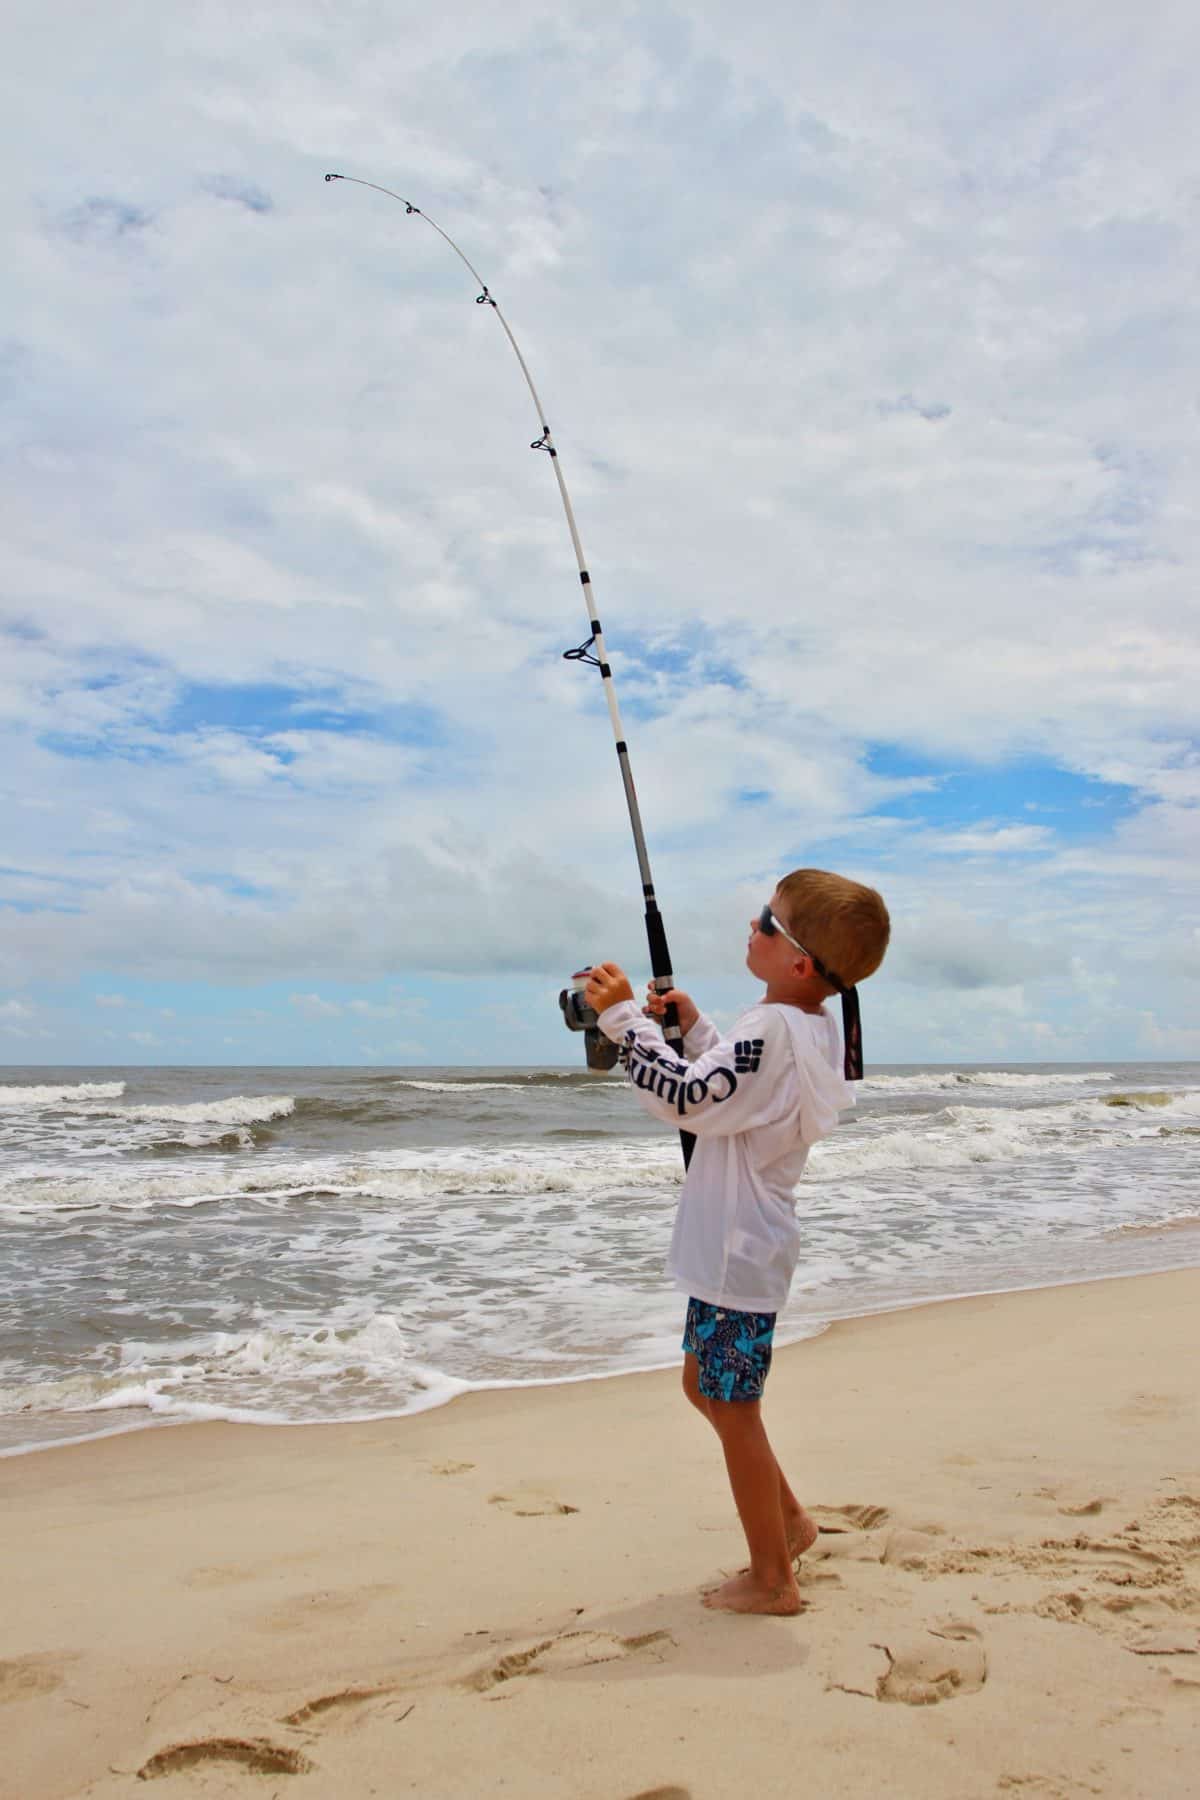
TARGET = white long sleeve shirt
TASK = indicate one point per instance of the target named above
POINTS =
(755, 1101)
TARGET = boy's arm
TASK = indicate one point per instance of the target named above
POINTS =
(732, 1086)
(700, 1036)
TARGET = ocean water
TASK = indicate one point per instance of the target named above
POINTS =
(308, 1244)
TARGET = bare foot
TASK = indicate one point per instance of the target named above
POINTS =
(743, 1594)
(802, 1532)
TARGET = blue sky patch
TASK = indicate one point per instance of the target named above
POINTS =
(244, 193)
(232, 885)
(687, 664)
(933, 410)
(103, 220)
(22, 631)
(93, 749)
(263, 708)
(1030, 792)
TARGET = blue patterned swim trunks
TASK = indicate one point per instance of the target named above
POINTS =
(732, 1348)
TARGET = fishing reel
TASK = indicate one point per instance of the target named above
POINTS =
(601, 1053)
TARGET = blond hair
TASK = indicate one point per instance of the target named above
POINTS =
(840, 921)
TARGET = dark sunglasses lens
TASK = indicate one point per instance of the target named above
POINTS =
(766, 923)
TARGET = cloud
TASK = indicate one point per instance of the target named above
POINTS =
(1170, 1042)
(1183, 955)
(863, 340)
(408, 1050)
(104, 220)
(244, 193)
(931, 410)
(313, 1007)
(991, 840)
(951, 948)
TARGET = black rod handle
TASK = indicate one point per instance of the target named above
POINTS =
(660, 964)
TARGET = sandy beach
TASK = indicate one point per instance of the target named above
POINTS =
(501, 1596)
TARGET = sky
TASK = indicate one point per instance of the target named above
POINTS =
(869, 340)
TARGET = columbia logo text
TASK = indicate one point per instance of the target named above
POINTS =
(660, 1074)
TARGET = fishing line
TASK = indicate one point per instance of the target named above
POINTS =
(591, 651)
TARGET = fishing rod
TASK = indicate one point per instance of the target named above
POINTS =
(591, 651)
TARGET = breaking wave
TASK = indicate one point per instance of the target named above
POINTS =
(352, 1244)
(242, 1109)
(80, 1092)
(270, 1375)
(951, 1081)
(960, 1135)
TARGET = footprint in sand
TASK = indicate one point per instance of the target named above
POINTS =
(337, 1708)
(1137, 1714)
(912, 1549)
(531, 1504)
(1140, 1581)
(847, 1534)
(1167, 1640)
(25, 1677)
(943, 1665)
(1074, 1503)
(256, 1755)
(214, 1575)
(302, 1609)
(854, 1517)
(1140, 1407)
(569, 1651)
(916, 1669)
(222, 1575)
(812, 1574)
(1067, 1607)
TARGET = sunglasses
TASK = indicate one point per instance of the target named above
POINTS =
(852, 1065)
(768, 924)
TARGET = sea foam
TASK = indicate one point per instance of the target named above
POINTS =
(345, 1246)
(78, 1092)
(240, 1109)
(949, 1081)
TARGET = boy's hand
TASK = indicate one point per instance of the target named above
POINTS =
(656, 1005)
(607, 983)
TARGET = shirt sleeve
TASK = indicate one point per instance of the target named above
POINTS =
(822, 1091)
(737, 1084)
(703, 1036)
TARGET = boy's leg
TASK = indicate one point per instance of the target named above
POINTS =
(768, 1586)
(800, 1528)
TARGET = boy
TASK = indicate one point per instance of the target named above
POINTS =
(755, 1100)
